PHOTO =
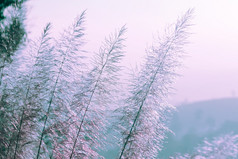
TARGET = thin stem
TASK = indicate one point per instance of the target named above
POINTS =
(75, 29)
(142, 103)
(137, 116)
(24, 106)
(90, 99)
(49, 107)
(1, 74)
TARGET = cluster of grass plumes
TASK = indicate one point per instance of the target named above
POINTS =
(144, 114)
(55, 105)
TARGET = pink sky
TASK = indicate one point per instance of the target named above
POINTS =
(211, 70)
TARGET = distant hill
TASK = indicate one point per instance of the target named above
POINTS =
(194, 122)
(191, 123)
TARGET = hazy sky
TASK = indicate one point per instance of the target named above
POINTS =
(212, 66)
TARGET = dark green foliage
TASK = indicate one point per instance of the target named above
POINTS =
(6, 3)
(12, 34)
(10, 38)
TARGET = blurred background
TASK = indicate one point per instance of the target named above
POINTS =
(210, 69)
